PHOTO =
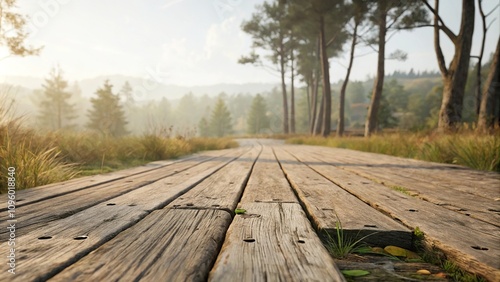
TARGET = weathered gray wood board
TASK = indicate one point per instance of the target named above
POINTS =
(63, 206)
(273, 242)
(267, 183)
(172, 221)
(453, 177)
(101, 222)
(479, 207)
(328, 205)
(471, 243)
(168, 245)
(36, 194)
(223, 189)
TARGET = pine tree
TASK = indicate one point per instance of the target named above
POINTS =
(56, 111)
(220, 121)
(107, 115)
(269, 31)
(126, 93)
(387, 16)
(257, 119)
(204, 128)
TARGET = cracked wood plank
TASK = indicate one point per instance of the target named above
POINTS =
(63, 206)
(470, 204)
(168, 245)
(327, 204)
(472, 244)
(273, 242)
(223, 189)
(267, 182)
(40, 259)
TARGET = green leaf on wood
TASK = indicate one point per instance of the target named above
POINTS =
(240, 211)
(355, 272)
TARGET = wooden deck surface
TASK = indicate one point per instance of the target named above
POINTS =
(175, 220)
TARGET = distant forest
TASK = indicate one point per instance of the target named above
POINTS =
(410, 101)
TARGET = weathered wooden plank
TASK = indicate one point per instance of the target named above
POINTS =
(59, 207)
(99, 223)
(470, 243)
(168, 245)
(454, 177)
(328, 204)
(268, 183)
(223, 189)
(273, 242)
(466, 203)
(37, 194)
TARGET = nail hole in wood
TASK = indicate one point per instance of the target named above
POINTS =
(83, 237)
(301, 241)
(132, 205)
(412, 210)
(370, 226)
(479, 248)
(249, 240)
(189, 204)
(467, 214)
(45, 238)
(111, 204)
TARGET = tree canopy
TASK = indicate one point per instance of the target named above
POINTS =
(107, 115)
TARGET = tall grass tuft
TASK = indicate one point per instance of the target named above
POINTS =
(465, 148)
(37, 161)
(43, 158)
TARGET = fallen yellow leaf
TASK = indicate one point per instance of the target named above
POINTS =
(424, 272)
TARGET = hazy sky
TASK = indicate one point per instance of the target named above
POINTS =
(187, 42)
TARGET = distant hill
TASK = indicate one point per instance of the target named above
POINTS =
(146, 89)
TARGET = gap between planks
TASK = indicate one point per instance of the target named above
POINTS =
(99, 224)
(470, 243)
(329, 205)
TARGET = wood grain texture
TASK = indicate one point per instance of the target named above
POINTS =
(168, 245)
(436, 192)
(267, 182)
(327, 204)
(273, 242)
(37, 194)
(222, 189)
(452, 177)
(453, 233)
(41, 213)
(43, 258)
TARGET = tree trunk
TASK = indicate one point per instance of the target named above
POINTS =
(340, 126)
(371, 119)
(292, 95)
(308, 96)
(319, 118)
(491, 93)
(325, 71)
(314, 102)
(283, 87)
(480, 58)
(454, 79)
